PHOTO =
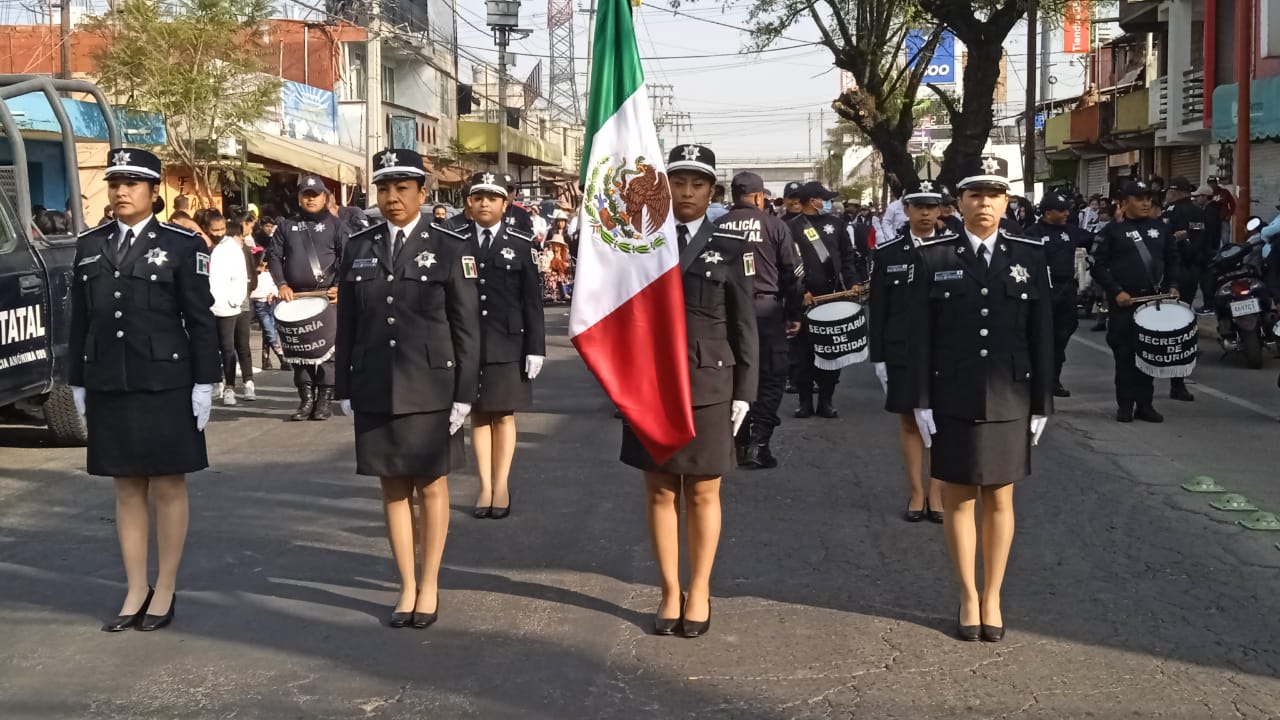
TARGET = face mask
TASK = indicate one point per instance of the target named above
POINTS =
(216, 238)
(826, 207)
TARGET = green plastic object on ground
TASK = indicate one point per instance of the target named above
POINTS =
(1261, 521)
(1233, 502)
(1203, 484)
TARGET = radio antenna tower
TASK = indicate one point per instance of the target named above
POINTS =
(563, 97)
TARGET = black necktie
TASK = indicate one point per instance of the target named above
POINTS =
(682, 237)
(126, 242)
(487, 239)
(399, 244)
(982, 253)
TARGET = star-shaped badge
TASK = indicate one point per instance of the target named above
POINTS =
(989, 165)
(487, 179)
(692, 152)
(829, 229)
(388, 159)
(156, 256)
(712, 257)
(508, 253)
(926, 186)
(311, 182)
(319, 227)
(121, 158)
(1019, 274)
(425, 259)
(1153, 233)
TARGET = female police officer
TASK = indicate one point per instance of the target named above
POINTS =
(142, 361)
(720, 323)
(407, 359)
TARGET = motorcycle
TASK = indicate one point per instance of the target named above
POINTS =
(1243, 303)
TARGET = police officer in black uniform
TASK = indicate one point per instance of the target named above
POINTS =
(791, 200)
(720, 324)
(828, 238)
(514, 346)
(779, 298)
(1132, 258)
(1186, 223)
(142, 359)
(408, 361)
(514, 216)
(1061, 241)
(303, 257)
(981, 355)
(890, 320)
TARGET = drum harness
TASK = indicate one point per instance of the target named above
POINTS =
(313, 258)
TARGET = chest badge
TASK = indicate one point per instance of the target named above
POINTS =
(319, 227)
(1153, 233)
(1019, 274)
(711, 257)
(829, 229)
(425, 259)
(156, 256)
(508, 254)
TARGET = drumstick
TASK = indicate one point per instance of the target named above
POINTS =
(856, 291)
(1151, 298)
(311, 293)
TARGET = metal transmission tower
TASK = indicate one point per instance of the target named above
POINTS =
(563, 96)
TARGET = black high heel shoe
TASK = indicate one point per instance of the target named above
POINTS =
(124, 622)
(992, 633)
(157, 622)
(692, 629)
(480, 513)
(400, 619)
(423, 621)
(935, 516)
(669, 626)
(498, 513)
(967, 633)
(914, 516)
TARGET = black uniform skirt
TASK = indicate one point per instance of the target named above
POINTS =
(143, 434)
(980, 453)
(899, 398)
(412, 445)
(710, 453)
(504, 388)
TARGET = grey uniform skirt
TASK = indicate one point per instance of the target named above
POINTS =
(980, 453)
(411, 445)
(143, 434)
(710, 453)
(504, 388)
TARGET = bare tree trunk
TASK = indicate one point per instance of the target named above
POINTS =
(972, 126)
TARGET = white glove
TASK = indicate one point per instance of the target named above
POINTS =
(882, 374)
(201, 404)
(77, 396)
(533, 365)
(924, 421)
(1037, 427)
(345, 406)
(738, 413)
(458, 415)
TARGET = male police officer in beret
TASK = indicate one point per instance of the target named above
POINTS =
(1060, 244)
(303, 257)
(142, 360)
(981, 355)
(824, 242)
(779, 297)
(1133, 256)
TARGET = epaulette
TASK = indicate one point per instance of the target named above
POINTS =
(948, 237)
(92, 230)
(1029, 240)
(448, 231)
(518, 234)
(891, 241)
(729, 235)
(369, 229)
(178, 228)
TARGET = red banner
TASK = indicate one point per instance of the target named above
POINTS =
(1076, 26)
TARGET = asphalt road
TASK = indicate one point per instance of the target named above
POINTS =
(1126, 596)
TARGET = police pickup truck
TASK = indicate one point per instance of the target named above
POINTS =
(35, 270)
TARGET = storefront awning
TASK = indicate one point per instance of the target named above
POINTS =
(329, 161)
(1264, 110)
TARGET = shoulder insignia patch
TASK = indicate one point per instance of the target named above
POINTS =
(178, 229)
(749, 264)
(202, 263)
(937, 240)
(469, 267)
(449, 231)
(518, 235)
(736, 237)
(1020, 238)
(92, 230)
(890, 241)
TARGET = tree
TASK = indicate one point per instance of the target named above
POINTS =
(200, 64)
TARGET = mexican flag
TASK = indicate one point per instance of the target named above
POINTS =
(627, 319)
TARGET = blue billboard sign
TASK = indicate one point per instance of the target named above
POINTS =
(309, 113)
(942, 66)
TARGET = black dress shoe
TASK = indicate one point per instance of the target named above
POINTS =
(400, 619)
(691, 629)
(124, 622)
(1148, 414)
(913, 516)
(967, 633)
(498, 513)
(668, 626)
(804, 411)
(1061, 391)
(1180, 392)
(791, 388)
(1124, 416)
(991, 633)
(481, 513)
(156, 622)
(423, 621)
(935, 516)
(826, 410)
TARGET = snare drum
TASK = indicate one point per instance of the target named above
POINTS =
(838, 330)
(308, 329)
(1168, 339)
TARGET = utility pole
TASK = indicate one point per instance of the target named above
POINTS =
(502, 17)
(372, 94)
(1029, 112)
(65, 36)
(1244, 98)
(591, 44)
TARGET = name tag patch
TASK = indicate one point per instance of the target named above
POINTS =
(359, 263)
(86, 261)
(897, 268)
(943, 275)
